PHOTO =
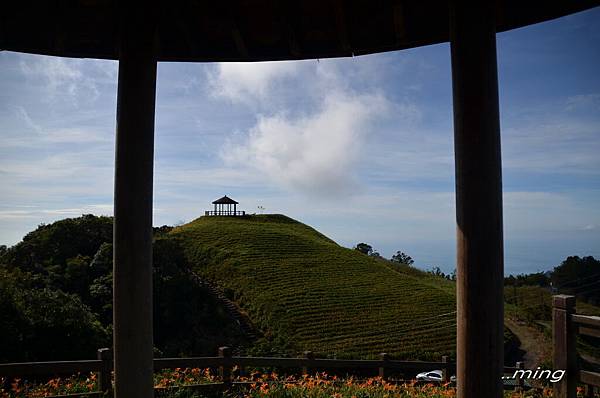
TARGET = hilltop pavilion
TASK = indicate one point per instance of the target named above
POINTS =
(225, 206)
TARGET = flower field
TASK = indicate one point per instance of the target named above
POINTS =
(308, 293)
(56, 386)
(257, 385)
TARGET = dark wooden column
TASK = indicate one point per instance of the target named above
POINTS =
(478, 200)
(564, 352)
(132, 293)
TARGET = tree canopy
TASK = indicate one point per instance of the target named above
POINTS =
(56, 296)
(403, 258)
(364, 248)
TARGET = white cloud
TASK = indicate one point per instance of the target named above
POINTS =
(98, 209)
(315, 148)
(313, 153)
(582, 101)
(74, 80)
(23, 115)
(244, 82)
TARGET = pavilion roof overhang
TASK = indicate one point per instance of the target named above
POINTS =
(225, 200)
(258, 30)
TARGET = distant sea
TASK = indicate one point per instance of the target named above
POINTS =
(520, 256)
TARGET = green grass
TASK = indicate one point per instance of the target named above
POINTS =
(308, 293)
(534, 305)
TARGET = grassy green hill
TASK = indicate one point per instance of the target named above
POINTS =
(305, 292)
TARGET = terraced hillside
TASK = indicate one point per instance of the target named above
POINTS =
(305, 292)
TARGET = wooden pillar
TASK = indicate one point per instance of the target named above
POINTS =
(104, 376)
(132, 276)
(225, 368)
(310, 356)
(564, 352)
(478, 200)
(445, 377)
(519, 381)
(382, 369)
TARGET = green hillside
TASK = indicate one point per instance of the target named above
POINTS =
(305, 292)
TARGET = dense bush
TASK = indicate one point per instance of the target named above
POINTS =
(44, 324)
(56, 296)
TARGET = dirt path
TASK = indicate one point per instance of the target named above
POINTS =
(533, 342)
(240, 317)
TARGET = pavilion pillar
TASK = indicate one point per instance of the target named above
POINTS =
(478, 200)
(132, 275)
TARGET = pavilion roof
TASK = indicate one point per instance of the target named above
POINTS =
(257, 30)
(225, 200)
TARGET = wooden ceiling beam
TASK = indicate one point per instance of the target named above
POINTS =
(288, 32)
(341, 26)
(238, 38)
(399, 22)
(185, 30)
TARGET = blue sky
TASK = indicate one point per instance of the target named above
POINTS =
(359, 148)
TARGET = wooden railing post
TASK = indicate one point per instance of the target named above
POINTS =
(308, 355)
(519, 380)
(6, 382)
(384, 357)
(564, 349)
(225, 368)
(104, 376)
(589, 391)
(445, 377)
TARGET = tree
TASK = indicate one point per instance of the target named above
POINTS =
(44, 324)
(437, 271)
(364, 248)
(579, 276)
(403, 258)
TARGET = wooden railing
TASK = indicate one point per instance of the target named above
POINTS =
(224, 213)
(566, 324)
(224, 362)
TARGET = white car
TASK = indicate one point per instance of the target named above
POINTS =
(433, 375)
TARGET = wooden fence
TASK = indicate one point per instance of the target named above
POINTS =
(225, 213)
(224, 362)
(566, 324)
